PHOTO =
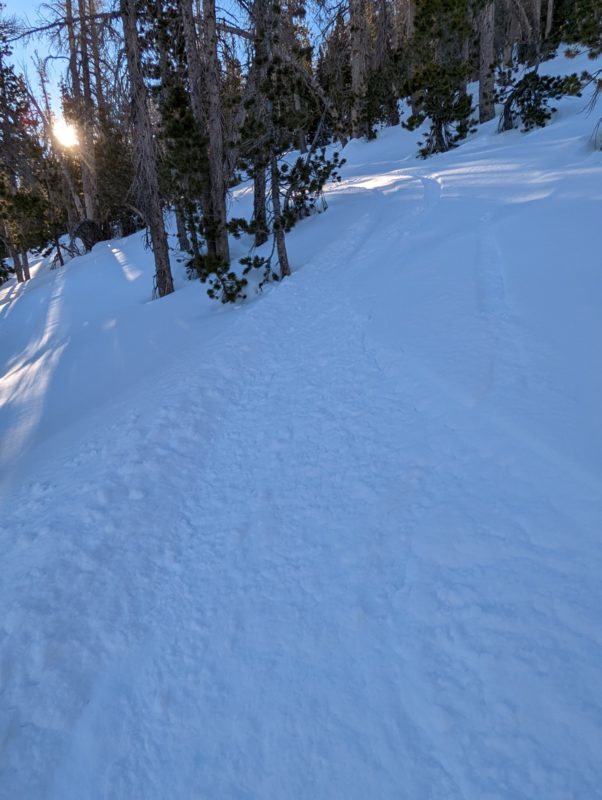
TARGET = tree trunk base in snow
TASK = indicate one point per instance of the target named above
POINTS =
(90, 233)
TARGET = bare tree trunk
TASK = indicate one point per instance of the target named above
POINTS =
(408, 19)
(383, 56)
(72, 40)
(193, 60)
(359, 47)
(72, 216)
(549, 18)
(517, 29)
(183, 242)
(25, 262)
(260, 217)
(209, 118)
(262, 110)
(57, 244)
(511, 36)
(214, 128)
(86, 144)
(536, 6)
(89, 178)
(465, 53)
(71, 187)
(17, 265)
(519, 20)
(85, 58)
(383, 28)
(285, 268)
(195, 81)
(95, 48)
(411, 16)
(192, 232)
(12, 253)
(144, 151)
(486, 62)
(301, 138)
(402, 22)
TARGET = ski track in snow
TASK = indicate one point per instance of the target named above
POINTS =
(302, 562)
(255, 609)
(507, 367)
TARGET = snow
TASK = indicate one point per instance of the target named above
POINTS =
(341, 541)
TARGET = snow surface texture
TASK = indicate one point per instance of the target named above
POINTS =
(340, 542)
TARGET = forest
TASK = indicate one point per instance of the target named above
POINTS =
(170, 104)
(300, 391)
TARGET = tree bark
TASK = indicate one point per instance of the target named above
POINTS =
(195, 85)
(89, 177)
(95, 48)
(18, 266)
(193, 60)
(12, 253)
(72, 40)
(404, 13)
(359, 46)
(408, 19)
(260, 217)
(183, 242)
(86, 144)
(209, 119)
(536, 6)
(486, 62)
(217, 173)
(285, 268)
(549, 18)
(25, 263)
(57, 244)
(144, 151)
(192, 231)
(520, 20)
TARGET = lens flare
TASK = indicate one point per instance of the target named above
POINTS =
(65, 133)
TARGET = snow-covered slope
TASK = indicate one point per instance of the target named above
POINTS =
(341, 542)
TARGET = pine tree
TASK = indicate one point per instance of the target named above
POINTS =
(440, 71)
(24, 206)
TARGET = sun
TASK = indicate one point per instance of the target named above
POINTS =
(65, 133)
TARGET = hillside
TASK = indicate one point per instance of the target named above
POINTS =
(339, 541)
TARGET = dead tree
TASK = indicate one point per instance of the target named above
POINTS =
(486, 23)
(359, 64)
(203, 73)
(147, 183)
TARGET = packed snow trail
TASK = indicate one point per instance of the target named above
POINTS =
(321, 618)
(346, 543)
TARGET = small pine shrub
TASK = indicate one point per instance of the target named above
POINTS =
(303, 185)
(224, 284)
(527, 101)
(442, 99)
